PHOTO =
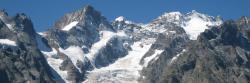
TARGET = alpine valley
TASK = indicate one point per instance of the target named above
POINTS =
(84, 47)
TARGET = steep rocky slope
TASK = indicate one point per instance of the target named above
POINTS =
(82, 41)
(219, 55)
(21, 61)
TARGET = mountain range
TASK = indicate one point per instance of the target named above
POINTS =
(84, 47)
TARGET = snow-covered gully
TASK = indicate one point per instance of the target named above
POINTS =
(124, 70)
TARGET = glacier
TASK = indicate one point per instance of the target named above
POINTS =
(124, 70)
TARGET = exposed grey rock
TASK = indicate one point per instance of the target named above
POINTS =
(111, 52)
(24, 62)
(84, 35)
(218, 56)
(172, 44)
(73, 74)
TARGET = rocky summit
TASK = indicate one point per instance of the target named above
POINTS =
(84, 47)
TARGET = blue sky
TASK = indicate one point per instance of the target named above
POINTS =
(45, 12)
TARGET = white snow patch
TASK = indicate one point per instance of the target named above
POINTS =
(129, 22)
(175, 57)
(120, 18)
(193, 23)
(172, 16)
(121, 34)
(10, 26)
(124, 70)
(198, 23)
(70, 25)
(148, 41)
(8, 42)
(75, 53)
(246, 19)
(149, 58)
(55, 64)
(51, 53)
(194, 27)
(131, 61)
(105, 36)
(43, 34)
(172, 32)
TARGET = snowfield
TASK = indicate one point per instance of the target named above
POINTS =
(55, 65)
(193, 22)
(121, 19)
(8, 42)
(104, 38)
(197, 24)
(70, 26)
(124, 70)
(75, 54)
(150, 58)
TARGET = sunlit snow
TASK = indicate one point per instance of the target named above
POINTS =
(8, 42)
(10, 26)
(149, 58)
(175, 57)
(124, 70)
(70, 25)
(198, 23)
(43, 34)
(105, 36)
(193, 23)
(174, 17)
(120, 18)
(55, 64)
(75, 54)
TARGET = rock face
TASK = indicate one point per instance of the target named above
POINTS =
(83, 46)
(219, 55)
(21, 61)
(83, 40)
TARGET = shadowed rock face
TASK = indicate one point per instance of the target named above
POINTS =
(23, 62)
(220, 55)
(171, 44)
(90, 22)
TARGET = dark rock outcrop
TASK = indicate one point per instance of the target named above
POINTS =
(23, 62)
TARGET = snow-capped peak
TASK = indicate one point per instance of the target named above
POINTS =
(123, 19)
(120, 18)
(174, 15)
(193, 22)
